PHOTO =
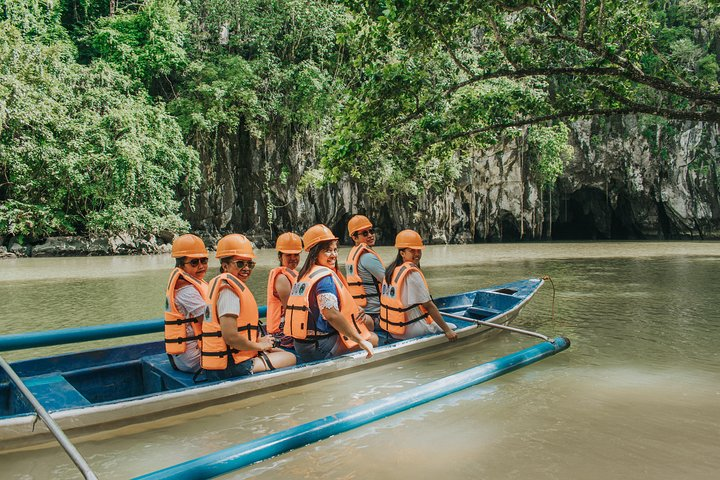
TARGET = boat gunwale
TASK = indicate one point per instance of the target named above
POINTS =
(224, 391)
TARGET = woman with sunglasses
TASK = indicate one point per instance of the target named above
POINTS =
(232, 345)
(364, 267)
(185, 303)
(280, 281)
(406, 307)
(321, 314)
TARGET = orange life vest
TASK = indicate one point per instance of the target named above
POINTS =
(214, 349)
(176, 335)
(357, 288)
(392, 310)
(275, 309)
(297, 322)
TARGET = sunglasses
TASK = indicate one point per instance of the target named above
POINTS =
(240, 264)
(365, 233)
(197, 261)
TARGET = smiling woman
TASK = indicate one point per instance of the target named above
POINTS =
(323, 318)
(185, 303)
(406, 307)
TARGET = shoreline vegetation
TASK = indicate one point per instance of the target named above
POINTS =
(479, 120)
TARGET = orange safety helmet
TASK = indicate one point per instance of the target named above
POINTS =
(316, 234)
(357, 223)
(408, 239)
(234, 245)
(289, 243)
(189, 245)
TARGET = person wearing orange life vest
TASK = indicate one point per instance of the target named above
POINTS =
(185, 303)
(406, 307)
(280, 281)
(321, 314)
(364, 267)
(232, 345)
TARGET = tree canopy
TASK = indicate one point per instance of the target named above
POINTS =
(82, 147)
(105, 105)
(434, 80)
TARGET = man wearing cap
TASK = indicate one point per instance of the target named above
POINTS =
(364, 268)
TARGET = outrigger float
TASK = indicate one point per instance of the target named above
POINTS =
(132, 383)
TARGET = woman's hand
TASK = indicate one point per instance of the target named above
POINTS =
(451, 335)
(266, 343)
(367, 346)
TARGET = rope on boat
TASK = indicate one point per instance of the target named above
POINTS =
(54, 428)
(552, 308)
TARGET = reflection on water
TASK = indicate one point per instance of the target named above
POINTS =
(636, 396)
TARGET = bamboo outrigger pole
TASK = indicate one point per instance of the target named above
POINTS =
(244, 454)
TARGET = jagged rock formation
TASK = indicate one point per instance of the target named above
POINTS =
(629, 179)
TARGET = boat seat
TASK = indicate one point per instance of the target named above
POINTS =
(54, 392)
(159, 374)
(478, 313)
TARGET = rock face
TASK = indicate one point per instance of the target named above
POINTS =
(628, 179)
(631, 180)
(84, 246)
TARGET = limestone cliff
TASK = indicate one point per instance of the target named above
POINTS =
(629, 179)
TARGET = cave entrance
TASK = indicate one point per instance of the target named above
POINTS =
(580, 213)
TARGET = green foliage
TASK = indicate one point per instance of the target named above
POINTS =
(146, 45)
(262, 64)
(402, 93)
(35, 18)
(549, 151)
(80, 149)
(431, 82)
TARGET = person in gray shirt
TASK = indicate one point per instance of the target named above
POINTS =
(364, 268)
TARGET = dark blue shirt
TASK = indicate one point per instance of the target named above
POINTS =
(324, 285)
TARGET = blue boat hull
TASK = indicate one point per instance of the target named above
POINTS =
(121, 384)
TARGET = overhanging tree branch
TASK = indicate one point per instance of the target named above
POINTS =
(653, 82)
(635, 108)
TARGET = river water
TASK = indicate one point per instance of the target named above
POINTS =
(637, 395)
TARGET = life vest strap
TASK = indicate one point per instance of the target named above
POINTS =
(301, 308)
(407, 322)
(248, 327)
(244, 328)
(183, 339)
(366, 295)
(182, 321)
(395, 309)
(224, 353)
(221, 354)
(417, 319)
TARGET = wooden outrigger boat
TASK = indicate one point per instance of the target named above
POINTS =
(86, 390)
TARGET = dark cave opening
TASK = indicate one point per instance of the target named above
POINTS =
(586, 215)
